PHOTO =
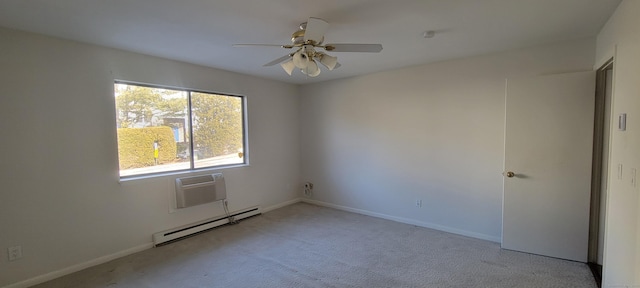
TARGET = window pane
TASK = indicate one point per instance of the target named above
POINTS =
(217, 129)
(153, 129)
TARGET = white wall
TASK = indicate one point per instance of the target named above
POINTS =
(621, 38)
(376, 143)
(435, 132)
(60, 198)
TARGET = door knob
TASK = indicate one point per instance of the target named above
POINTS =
(510, 174)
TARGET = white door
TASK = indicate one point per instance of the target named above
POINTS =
(548, 153)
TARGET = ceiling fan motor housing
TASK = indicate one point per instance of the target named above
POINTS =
(297, 38)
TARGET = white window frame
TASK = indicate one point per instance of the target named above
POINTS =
(245, 134)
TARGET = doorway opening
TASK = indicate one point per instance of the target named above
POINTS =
(600, 168)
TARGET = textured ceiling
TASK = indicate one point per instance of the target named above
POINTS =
(203, 31)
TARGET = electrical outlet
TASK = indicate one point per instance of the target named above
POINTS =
(14, 253)
(419, 203)
(308, 189)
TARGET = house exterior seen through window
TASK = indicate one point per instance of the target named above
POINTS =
(163, 130)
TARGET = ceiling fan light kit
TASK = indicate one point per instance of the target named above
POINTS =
(307, 39)
(288, 66)
(328, 61)
(301, 58)
(312, 69)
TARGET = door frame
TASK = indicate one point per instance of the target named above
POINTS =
(595, 225)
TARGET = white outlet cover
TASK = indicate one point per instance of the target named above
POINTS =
(14, 253)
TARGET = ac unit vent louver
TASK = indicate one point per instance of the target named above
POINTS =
(196, 190)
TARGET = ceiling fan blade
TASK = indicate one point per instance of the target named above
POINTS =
(267, 45)
(315, 30)
(371, 48)
(277, 61)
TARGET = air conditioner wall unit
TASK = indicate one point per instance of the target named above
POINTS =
(196, 190)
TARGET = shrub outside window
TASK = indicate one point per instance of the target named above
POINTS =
(165, 129)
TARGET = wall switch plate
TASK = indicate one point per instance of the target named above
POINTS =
(14, 253)
(418, 203)
(634, 181)
(622, 122)
(619, 171)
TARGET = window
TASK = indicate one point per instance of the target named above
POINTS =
(162, 130)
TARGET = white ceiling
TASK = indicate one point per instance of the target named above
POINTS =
(203, 31)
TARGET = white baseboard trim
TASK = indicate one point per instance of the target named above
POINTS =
(280, 205)
(104, 259)
(75, 268)
(405, 220)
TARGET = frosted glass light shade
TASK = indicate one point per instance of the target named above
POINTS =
(300, 59)
(288, 66)
(329, 61)
(312, 69)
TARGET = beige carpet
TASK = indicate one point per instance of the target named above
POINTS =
(304, 245)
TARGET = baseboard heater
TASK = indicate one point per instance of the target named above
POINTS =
(178, 233)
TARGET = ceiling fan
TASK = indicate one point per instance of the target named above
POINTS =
(306, 41)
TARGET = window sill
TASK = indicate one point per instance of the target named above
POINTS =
(175, 174)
